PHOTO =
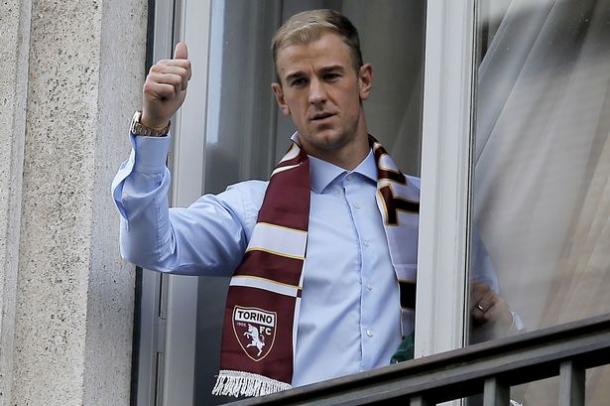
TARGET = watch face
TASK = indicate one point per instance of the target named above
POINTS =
(134, 122)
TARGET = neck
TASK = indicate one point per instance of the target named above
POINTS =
(347, 158)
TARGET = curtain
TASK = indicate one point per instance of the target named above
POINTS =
(542, 165)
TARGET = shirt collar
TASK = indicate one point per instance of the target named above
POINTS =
(322, 173)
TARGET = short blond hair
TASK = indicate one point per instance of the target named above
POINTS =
(308, 26)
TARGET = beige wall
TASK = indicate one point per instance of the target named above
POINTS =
(70, 78)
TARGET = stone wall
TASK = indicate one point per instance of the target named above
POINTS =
(14, 52)
(70, 81)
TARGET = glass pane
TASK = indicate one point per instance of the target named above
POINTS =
(597, 390)
(544, 392)
(246, 135)
(541, 200)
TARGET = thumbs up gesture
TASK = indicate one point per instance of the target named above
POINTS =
(165, 88)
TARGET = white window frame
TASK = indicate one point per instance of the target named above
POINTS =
(188, 158)
(169, 302)
(153, 309)
(447, 127)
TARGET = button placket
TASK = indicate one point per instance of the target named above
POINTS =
(353, 196)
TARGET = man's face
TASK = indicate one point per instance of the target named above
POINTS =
(322, 92)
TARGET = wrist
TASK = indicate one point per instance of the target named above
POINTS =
(149, 122)
(140, 128)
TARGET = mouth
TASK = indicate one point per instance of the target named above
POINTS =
(321, 116)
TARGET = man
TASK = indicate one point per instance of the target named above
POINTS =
(317, 253)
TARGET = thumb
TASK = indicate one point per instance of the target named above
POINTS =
(181, 51)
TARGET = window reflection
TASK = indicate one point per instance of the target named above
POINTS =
(541, 200)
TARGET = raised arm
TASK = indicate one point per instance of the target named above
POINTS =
(209, 237)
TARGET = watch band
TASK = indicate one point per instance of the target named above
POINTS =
(137, 128)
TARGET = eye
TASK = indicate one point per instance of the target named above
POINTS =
(298, 82)
(331, 76)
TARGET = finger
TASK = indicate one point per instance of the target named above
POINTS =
(166, 79)
(174, 70)
(169, 68)
(181, 51)
(486, 301)
(170, 79)
(479, 287)
(492, 314)
(182, 63)
(159, 90)
(499, 312)
(476, 296)
(480, 307)
(478, 315)
(477, 291)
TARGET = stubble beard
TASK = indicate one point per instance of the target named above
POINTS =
(337, 141)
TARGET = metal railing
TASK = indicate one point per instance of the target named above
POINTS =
(489, 368)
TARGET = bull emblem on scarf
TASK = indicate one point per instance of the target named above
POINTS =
(258, 340)
(254, 329)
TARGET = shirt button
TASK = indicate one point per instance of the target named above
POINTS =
(356, 205)
(369, 287)
(369, 333)
(365, 243)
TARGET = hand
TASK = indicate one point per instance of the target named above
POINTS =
(165, 88)
(488, 306)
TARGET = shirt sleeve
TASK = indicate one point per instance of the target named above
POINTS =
(207, 238)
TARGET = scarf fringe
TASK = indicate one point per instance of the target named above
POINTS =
(240, 383)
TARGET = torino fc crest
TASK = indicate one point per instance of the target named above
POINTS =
(255, 330)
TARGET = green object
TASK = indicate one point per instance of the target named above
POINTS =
(405, 350)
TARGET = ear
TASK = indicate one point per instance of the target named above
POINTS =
(365, 80)
(278, 91)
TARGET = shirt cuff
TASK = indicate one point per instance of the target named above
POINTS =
(517, 324)
(150, 153)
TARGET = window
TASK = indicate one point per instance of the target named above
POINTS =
(541, 160)
(229, 130)
(245, 135)
(515, 159)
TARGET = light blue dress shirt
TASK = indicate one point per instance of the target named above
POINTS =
(350, 310)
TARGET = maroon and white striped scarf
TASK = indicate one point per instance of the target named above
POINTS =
(262, 308)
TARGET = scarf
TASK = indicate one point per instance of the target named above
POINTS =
(262, 307)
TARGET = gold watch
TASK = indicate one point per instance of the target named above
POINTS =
(137, 128)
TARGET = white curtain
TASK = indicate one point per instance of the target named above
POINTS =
(542, 169)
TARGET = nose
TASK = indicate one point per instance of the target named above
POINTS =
(317, 92)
